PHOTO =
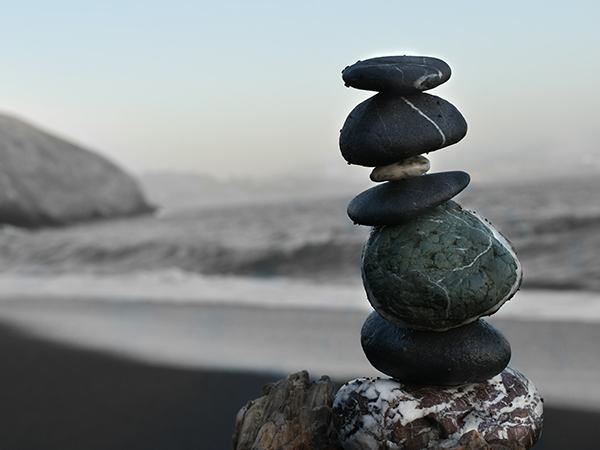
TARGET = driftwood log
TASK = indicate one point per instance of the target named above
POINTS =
(472, 440)
(295, 414)
(292, 414)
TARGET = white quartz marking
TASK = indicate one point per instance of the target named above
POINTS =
(442, 287)
(447, 294)
(418, 84)
(428, 118)
(387, 133)
(489, 247)
(390, 406)
(401, 71)
(506, 244)
(519, 270)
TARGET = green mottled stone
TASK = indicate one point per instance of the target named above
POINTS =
(444, 269)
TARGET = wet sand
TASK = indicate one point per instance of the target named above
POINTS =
(561, 357)
(58, 397)
(109, 374)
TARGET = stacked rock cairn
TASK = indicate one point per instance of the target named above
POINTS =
(431, 270)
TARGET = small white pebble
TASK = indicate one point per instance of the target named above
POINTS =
(409, 167)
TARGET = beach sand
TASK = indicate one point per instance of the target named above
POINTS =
(57, 397)
(99, 373)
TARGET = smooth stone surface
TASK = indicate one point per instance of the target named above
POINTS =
(444, 269)
(472, 353)
(388, 128)
(383, 414)
(407, 168)
(402, 74)
(396, 202)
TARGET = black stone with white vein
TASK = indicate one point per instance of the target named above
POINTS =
(469, 354)
(400, 74)
(399, 201)
(387, 128)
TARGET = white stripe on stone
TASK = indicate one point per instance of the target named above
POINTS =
(428, 118)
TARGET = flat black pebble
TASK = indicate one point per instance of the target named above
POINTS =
(396, 202)
(402, 74)
(388, 128)
(471, 353)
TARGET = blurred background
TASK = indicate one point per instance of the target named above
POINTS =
(229, 260)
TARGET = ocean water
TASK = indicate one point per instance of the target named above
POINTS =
(178, 287)
(553, 225)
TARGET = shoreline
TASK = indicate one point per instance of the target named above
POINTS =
(59, 397)
(178, 287)
(560, 357)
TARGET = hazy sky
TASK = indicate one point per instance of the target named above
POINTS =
(236, 88)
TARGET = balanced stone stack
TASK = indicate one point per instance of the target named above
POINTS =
(431, 270)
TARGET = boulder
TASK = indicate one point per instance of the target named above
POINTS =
(47, 181)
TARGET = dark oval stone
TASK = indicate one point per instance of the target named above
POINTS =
(399, 201)
(402, 74)
(468, 354)
(444, 269)
(388, 128)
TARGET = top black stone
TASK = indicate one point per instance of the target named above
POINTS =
(401, 74)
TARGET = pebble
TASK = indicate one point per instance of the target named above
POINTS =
(396, 202)
(471, 353)
(381, 414)
(444, 269)
(401, 74)
(387, 128)
(409, 167)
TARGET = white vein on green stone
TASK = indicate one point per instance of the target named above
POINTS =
(519, 269)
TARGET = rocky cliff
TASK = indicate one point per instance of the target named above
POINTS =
(45, 180)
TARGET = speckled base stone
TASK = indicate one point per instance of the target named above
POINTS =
(444, 269)
(383, 414)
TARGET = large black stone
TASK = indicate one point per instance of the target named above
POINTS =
(468, 354)
(399, 201)
(402, 74)
(387, 128)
